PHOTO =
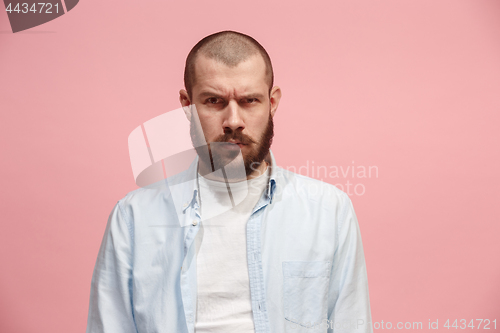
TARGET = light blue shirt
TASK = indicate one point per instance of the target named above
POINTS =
(306, 264)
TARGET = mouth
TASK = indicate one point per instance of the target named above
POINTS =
(237, 143)
(231, 145)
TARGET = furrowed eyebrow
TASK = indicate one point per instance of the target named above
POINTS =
(210, 94)
(205, 94)
(257, 96)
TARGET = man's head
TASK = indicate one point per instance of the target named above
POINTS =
(229, 48)
(229, 77)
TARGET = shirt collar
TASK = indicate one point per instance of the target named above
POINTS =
(271, 186)
(188, 178)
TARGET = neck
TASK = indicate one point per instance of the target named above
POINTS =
(259, 171)
(206, 171)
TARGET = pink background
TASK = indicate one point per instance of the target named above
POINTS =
(411, 87)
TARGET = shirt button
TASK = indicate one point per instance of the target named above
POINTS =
(195, 222)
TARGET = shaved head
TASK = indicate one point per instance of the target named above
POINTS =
(229, 48)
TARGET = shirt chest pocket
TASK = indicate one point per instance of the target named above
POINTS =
(305, 292)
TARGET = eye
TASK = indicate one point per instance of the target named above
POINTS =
(251, 100)
(212, 100)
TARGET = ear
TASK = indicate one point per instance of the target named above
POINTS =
(274, 99)
(185, 102)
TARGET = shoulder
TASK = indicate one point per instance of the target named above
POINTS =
(154, 197)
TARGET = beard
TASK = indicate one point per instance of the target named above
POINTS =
(216, 156)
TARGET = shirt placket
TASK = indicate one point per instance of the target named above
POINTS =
(188, 271)
(255, 271)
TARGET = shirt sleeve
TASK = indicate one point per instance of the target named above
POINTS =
(110, 306)
(349, 297)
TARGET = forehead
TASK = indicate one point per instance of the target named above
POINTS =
(211, 74)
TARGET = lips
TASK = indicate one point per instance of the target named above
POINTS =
(231, 145)
(237, 143)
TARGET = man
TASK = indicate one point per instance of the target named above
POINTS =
(234, 243)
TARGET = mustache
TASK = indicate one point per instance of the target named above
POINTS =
(236, 136)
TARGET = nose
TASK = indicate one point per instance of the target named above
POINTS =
(232, 118)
